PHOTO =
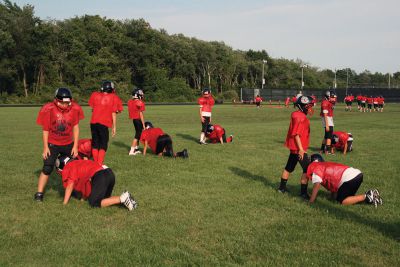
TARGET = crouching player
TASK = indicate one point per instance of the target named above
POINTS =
(159, 142)
(341, 180)
(342, 141)
(215, 133)
(297, 140)
(91, 181)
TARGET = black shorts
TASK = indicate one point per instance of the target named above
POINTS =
(349, 188)
(369, 106)
(100, 136)
(362, 104)
(164, 142)
(258, 104)
(380, 105)
(138, 128)
(292, 162)
(328, 135)
(102, 186)
(375, 105)
(55, 151)
(359, 102)
(204, 125)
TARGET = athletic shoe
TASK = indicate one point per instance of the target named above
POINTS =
(229, 139)
(369, 197)
(305, 196)
(136, 152)
(185, 154)
(39, 197)
(128, 201)
(283, 190)
(131, 153)
(203, 143)
(377, 197)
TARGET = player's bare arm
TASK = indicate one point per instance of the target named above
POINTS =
(46, 150)
(75, 132)
(326, 122)
(142, 119)
(68, 192)
(314, 192)
(114, 124)
(300, 146)
(146, 143)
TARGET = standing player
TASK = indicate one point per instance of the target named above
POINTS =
(105, 106)
(297, 140)
(294, 99)
(206, 102)
(342, 141)
(92, 182)
(376, 103)
(60, 124)
(349, 101)
(287, 100)
(258, 101)
(363, 101)
(359, 97)
(159, 142)
(370, 101)
(341, 180)
(215, 133)
(381, 103)
(136, 108)
(327, 121)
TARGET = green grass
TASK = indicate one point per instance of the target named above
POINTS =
(219, 207)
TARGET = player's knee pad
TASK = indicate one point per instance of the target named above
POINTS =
(47, 169)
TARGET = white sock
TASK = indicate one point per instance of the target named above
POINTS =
(202, 136)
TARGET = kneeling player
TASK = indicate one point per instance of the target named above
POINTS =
(342, 141)
(91, 181)
(159, 142)
(215, 133)
(341, 180)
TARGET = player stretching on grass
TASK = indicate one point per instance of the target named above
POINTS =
(206, 102)
(297, 140)
(341, 180)
(59, 120)
(91, 181)
(215, 133)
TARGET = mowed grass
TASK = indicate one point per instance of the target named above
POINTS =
(218, 208)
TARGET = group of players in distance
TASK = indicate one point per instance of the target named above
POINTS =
(341, 180)
(80, 161)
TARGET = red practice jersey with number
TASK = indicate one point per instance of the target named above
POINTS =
(151, 135)
(330, 173)
(299, 125)
(135, 106)
(104, 105)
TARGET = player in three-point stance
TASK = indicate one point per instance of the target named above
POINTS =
(327, 121)
(105, 106)
(342, 141)
(136, 107)
(60, 123)
(216, 134)
(341, 180)
(297, 140)
(92, 181)
(206, 102)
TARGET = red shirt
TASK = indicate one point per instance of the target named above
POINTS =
(299, 125)
(370, 100)
(326, 107)
(206, 103)
(363, 99)
(104, 105)
(258, 99)
(85, 148)
(80, 173)
(135, 106)
(215, 135)
(381, 100)
(330, 173)
(59, 122)
(343, 137)
(351, 98)
(151, 135)
(294, 99)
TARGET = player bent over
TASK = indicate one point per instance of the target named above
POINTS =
(136, 107)
(159, 142)
(341, 180)
(342, 141)
(60, 124)
(297, 140)
(215, 133)
(91, 181)
(206, 102)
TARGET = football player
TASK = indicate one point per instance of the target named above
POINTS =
(297, 141)
(159, 142)
(136, 108)
(215, 133)
(342, 141)
(341, 180)
(206, 102)
(327, 121)
(381, 103)
(84, 148)
(370, 101)
(92, 181)
(287, 100)
(60, 124)
(258, 101)
(105, 106)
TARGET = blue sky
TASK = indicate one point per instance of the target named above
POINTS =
(359, 34)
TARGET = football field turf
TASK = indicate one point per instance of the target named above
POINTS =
(219, 207)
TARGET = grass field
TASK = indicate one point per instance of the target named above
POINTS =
(218, 208)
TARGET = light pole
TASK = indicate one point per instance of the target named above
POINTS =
(389, 80)
(262, 77)
(302, 76)
(334, 81)
(347, 80)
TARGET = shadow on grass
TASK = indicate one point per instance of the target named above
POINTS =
(54, 182)
(121, 144)
(247, 175)
(188, 137)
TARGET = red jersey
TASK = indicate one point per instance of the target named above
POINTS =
(151, 135)
(299, 125)
(330, 173)
(363, 99)
(294, 99)
(375, 100)
(343, 138)
(206, 105)
(351, 98)
(215, 135)
(314, 99)
(85, 148)
(381, 100)
(59, 122)
(104, 105)
(327, 108)
(80, 173)
(359, 97)
(135, 106)
(258, 99)
(370, 100)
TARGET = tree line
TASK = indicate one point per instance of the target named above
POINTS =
(37, 56)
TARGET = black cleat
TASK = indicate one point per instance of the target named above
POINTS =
(283, 190)
(305, 196)
(38, 197)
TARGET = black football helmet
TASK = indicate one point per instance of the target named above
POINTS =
(304, 103)
(316, 158)
(335, 139)
(210, 128)
(61, 161)
(328, 94)
(63, 94)
(206, 91)
(137, 93)
(107, 87)
(148, 125)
